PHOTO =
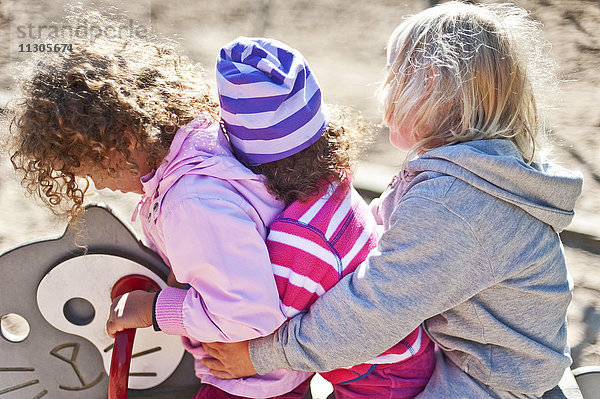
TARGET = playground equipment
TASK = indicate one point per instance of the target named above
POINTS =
(123, 346)
(55, 302)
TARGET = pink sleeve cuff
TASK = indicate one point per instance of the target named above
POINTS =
(169, 314)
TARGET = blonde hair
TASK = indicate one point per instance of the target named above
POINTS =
(73, 108)
(459, 72)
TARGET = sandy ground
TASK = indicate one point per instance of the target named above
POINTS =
(345, 44)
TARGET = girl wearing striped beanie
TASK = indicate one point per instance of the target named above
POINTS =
(471, 250)
(273, 112)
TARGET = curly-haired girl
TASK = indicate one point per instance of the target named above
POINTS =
(272, 110)
(132, 114)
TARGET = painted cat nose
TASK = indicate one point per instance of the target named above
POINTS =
(14, 327)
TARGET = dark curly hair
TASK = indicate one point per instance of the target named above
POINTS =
(329, 159)
(74, 107)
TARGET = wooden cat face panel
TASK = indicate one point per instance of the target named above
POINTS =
(55, 302)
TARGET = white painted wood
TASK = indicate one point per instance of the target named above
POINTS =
(92, 277)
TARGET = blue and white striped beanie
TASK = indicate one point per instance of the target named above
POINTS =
(271, 102)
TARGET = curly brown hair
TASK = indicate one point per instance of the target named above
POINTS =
(330, 159)
(74, 108)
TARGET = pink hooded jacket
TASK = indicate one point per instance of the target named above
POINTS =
(207, 216)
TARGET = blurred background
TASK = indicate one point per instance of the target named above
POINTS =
(344, 41)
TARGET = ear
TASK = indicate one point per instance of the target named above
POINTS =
(138, 152)
(131, 139)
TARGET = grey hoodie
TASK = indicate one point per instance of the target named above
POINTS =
(471, 250)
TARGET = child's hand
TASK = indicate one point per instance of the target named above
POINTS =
(228, 360)
(131, 310)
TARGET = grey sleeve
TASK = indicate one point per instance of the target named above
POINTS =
(427, 262)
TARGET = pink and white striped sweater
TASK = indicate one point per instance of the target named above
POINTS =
(313, 245)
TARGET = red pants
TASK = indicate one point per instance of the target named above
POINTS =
(394, 381)
(387, 381)
(211, 392)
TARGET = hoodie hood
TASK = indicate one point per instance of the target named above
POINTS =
(546, 191)
(201, 148)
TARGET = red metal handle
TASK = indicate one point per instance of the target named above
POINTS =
(123, 346)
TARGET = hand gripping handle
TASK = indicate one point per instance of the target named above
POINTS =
(123, 346)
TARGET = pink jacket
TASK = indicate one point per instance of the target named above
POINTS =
(207, 216)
